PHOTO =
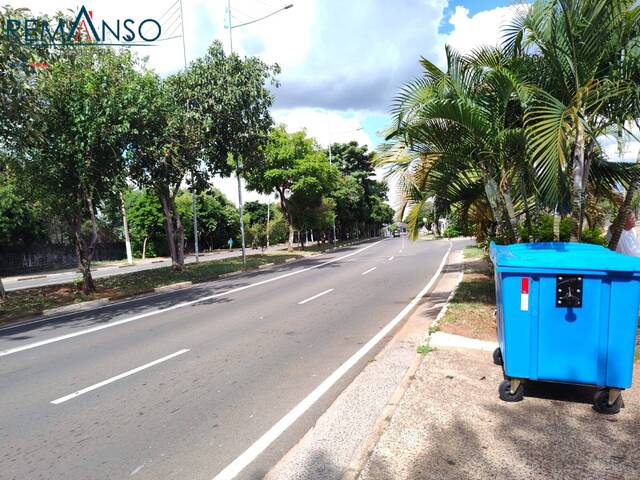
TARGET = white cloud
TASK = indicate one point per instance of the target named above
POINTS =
(325, 126)
(627, 151)
(483, 28)
(341, 61)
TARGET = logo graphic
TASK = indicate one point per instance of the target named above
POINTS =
(83, 30)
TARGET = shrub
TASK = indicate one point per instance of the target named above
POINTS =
(452, 231)
(543, 230)
(594, 236)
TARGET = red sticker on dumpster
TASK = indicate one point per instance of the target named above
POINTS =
(524, 294)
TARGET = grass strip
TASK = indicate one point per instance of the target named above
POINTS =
(28, 302)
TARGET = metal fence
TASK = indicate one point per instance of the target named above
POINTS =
(16, 260)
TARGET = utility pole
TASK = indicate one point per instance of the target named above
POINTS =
(125, 225)
(239, 160)
(194, 202)
(193, 191)
(240, 205)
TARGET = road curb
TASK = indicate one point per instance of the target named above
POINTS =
(448, 340)
(75, 307)
(362, 454)
(173, 286)
(37, 277)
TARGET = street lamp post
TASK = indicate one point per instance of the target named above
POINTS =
(193, 191)
(240, 205)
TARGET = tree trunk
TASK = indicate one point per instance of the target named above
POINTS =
(3, 293)
(285, 209)
(527, 212)
(577, 172)
(84, 249)
(513, 223)
(179, 231)
(165, 200)
(491, 190)
(144, 247)
(588, 157)
(623, 213)
(499, 207)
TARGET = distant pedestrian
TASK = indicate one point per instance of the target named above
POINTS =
(230, 243)
(628, 244)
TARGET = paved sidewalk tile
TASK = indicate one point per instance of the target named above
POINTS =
(452, 425)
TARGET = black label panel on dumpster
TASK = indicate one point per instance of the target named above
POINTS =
(569, 291)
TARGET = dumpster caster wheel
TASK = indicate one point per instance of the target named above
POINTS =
(497, 357)
(602, 402)
(511, 395)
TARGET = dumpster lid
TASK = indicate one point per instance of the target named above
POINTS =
(562, 256)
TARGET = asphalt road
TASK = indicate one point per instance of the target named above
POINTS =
(55, 278)
(181, 385)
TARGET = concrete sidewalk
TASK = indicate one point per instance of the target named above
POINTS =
(340, 438)
(451, 424)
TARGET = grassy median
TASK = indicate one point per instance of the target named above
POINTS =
(29, 302)
(470, 312)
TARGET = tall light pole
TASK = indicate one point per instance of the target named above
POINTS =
(193, 190)
(238, 160)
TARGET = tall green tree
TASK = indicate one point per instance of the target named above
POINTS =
(166, 148)
(23, 220)
(296, 169)
(146, 223)
(191, 124)
(585, 56)
(359, 193)
(74, 159)
(19, 115)
(457, 136)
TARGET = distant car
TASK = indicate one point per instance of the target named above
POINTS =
(396, 233)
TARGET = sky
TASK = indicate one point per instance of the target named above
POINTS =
(342, 61)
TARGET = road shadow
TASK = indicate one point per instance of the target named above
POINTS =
(135, 306)
(461, 430)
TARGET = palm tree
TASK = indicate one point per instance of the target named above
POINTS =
(586, 77)
(458, 136)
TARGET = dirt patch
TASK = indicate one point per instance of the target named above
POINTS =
(471, 311)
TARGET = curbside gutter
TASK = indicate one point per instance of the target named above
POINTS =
(75, 307)
(362, 454)
(173, 286)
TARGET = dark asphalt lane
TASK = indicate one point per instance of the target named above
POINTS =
(253, 355)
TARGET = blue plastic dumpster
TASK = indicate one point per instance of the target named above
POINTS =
(566, 312)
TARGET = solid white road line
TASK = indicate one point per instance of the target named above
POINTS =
(315, 296)
(118, 377)
(368, 271)
(260, 445)
(29, 346)
(390, 258)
